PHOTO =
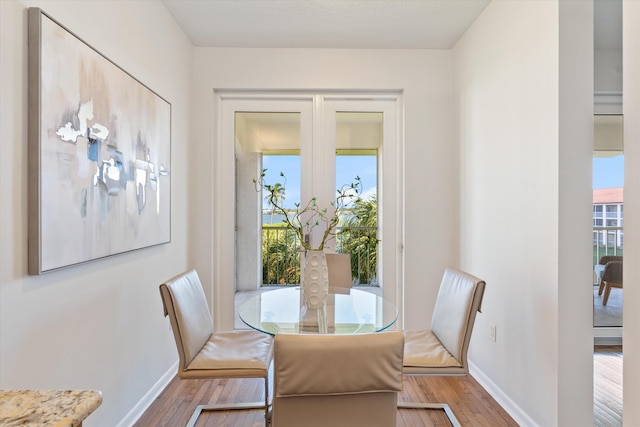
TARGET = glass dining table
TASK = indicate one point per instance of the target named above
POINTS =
(347, 311)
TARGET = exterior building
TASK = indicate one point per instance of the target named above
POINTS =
(608, 217)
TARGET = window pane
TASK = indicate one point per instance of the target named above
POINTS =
(359, 136)
(280, 246)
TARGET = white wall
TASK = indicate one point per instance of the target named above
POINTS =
(575, 198)
(99, 325)
(631, 315)
(430, 172)
(525, 147)
(607, 71)
(607, 81)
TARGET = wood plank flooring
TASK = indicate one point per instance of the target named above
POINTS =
(607, 386)
(472, 405)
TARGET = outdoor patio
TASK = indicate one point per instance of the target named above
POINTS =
(609, 315)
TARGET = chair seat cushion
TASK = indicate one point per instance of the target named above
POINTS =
(423, 349)
(235, 350)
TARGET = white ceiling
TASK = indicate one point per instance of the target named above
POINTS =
(608, 24)
(375, 24)
(256, 132)
(379, 24)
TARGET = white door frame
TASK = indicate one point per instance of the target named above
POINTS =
(391, 181)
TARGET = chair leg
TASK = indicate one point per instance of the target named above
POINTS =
(607, 291)
(601, 287)
(447, 410)
(234, 406)
(223, 407)
(267, 418)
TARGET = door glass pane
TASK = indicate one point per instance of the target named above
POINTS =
(280, 246)
(358, 139)
(265, 253)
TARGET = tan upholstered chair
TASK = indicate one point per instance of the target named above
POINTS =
(442, 350)
(337, 380)
(340, 282)
(605, 259)
(340, 277)
(600, 267)
(207, 354)
(611, 278)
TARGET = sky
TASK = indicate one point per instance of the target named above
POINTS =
(347, 168)
(608, 172)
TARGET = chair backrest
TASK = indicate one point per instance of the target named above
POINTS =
(607, 258)
(459, 299)
(339, 267)
(337, 380)
(186, 305)
(612, 272)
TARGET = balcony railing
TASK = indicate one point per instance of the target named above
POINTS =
(281, 254)
(607, 241)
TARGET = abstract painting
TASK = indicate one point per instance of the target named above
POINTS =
(99, 153)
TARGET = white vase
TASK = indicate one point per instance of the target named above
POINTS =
(314, 279)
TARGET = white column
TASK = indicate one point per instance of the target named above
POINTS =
(248, 223)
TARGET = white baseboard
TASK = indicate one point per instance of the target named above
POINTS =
(503, 400)
(146, 401)
(607, 336)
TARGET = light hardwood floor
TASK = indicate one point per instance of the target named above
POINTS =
(470, 402)
(607, 386)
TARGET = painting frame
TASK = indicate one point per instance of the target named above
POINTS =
(99, 153)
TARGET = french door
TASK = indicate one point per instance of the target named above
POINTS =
(317, 140)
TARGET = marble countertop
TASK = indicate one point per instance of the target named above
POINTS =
(47, 408)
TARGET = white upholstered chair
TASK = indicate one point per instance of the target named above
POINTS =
(337, 380)
(442, 350)
(204, 353)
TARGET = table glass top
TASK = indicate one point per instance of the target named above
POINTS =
(351, 312)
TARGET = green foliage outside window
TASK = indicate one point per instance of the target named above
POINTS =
(356, 235)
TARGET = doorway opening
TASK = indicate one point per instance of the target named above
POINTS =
(608, 224)
(311, 145)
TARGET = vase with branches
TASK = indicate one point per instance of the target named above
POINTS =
(304, 218)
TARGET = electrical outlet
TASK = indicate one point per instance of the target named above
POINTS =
(492, 332)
